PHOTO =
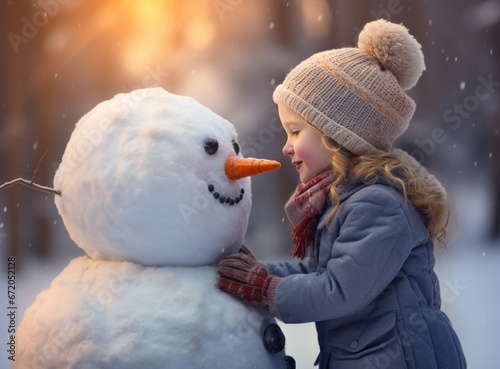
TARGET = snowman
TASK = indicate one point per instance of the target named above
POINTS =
(155, 191)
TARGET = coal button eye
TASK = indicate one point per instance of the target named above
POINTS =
(211, 146)
(236, 148)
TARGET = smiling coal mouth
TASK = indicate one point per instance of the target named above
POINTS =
(225, 199)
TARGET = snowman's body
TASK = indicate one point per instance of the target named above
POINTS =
(106, 314)
(142, 181)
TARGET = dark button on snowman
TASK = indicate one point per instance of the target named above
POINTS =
(154, 190)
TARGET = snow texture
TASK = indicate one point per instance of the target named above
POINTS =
(134, 180)
(105, 314)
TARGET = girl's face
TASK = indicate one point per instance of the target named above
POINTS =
(303, 145)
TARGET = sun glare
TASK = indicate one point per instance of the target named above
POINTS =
(152, 28)
(149, 31)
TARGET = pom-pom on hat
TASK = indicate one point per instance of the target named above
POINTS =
(356, 96)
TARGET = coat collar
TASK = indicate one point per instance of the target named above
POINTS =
(436, 192)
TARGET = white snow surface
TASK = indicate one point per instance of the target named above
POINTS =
(134, 181)
(107, 314)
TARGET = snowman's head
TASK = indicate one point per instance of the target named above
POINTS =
(143, 179)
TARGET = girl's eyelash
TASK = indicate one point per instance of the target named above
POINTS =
(294, 133)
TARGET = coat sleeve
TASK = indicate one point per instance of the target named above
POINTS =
(286, 268)
(374, 240)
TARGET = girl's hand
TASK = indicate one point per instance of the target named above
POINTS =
(242, 276)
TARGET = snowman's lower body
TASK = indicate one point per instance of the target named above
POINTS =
(102, 314)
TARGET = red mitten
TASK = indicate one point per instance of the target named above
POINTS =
(242, 276)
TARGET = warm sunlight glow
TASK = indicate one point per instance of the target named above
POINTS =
(150, 31)
(317, 17)
(200, 32)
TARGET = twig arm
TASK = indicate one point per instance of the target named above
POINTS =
(30, 184)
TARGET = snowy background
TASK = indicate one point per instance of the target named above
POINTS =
(60, 58)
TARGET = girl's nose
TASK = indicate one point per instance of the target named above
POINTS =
(287, 149)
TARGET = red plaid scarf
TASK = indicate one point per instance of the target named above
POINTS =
(303, 210)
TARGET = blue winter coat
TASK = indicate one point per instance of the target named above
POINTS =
(370, 287)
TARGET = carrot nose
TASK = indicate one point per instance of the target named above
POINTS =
(237, 167)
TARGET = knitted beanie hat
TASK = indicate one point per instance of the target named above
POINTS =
(356, 96)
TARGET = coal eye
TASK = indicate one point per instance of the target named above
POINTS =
(211, 146)
(236, 147)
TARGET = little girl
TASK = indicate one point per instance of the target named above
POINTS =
(365, 217)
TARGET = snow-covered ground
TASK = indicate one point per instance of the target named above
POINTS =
(469, 272)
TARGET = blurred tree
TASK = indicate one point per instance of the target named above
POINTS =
(495, 47)
(13, 122)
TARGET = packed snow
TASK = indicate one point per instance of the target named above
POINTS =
(106, 314)
(135, 174)
(142, 182)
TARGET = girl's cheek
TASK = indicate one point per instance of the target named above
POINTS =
(303, 152)
(300, 151)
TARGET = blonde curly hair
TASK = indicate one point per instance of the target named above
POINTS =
(416, 184)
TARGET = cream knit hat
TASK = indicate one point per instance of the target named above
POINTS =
(356, 95)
